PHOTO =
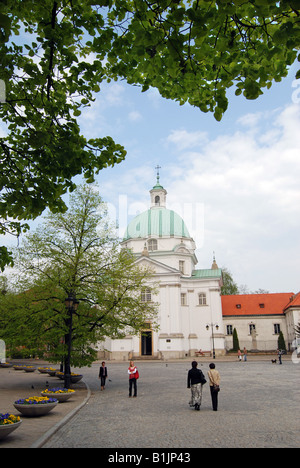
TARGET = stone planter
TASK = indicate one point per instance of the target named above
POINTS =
(29, 369)
(5, 364)
(43, 370)
(35, 410)
(18, 367)
(47, 370)
(76, 378)
(61, 397)
(7, 429)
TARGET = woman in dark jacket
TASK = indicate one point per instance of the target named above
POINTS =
(195, 381)
(103, 375)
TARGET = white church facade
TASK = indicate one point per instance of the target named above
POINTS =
(189, 301)
(192, 314)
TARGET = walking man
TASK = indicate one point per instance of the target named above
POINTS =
(195, 381)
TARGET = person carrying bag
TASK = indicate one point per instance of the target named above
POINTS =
(195, 382)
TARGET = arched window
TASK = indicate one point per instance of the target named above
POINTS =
(152, 245)
(157, 200)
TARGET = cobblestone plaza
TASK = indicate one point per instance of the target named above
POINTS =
(258, 408)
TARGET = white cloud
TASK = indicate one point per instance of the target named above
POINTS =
(185, 140)
(250, 189)
(135, 116)
(100, 118)
(115, 95)
(250, 120)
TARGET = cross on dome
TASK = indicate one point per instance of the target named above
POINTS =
(157, 174)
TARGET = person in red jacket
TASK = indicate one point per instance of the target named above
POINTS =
(133, 376)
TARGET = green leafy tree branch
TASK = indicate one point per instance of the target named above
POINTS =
(192, 51)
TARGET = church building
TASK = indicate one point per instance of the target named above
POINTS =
(193, 318)
(190, 310)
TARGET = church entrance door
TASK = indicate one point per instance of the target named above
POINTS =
(146, 343)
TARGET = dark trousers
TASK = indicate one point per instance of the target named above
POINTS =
(132, 382)
(103, 379)
(214, 398)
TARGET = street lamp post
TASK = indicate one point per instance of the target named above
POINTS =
(212, 325)
(71, 305)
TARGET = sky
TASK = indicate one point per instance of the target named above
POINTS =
(235, 182)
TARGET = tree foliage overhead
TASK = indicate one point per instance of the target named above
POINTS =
(193, 51)
(190, 50)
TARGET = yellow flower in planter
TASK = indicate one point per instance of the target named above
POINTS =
(58, 390)
(35, 400)
(8, 419)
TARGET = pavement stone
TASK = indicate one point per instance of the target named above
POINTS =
(258, 408)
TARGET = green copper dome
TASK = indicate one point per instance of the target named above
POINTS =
(158, 221)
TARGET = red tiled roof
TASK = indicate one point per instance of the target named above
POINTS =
(255, 304)
(294, 301)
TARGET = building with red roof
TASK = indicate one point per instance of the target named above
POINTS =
(259, 318)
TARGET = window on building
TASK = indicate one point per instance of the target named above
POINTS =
(202, 299)
(157, 200)
(183, 299)
(152, 245)
(238, 306)
(262, 306)
(229, 329)
(146, 295)
(181, 266)
(276, 328)
(252, 328)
